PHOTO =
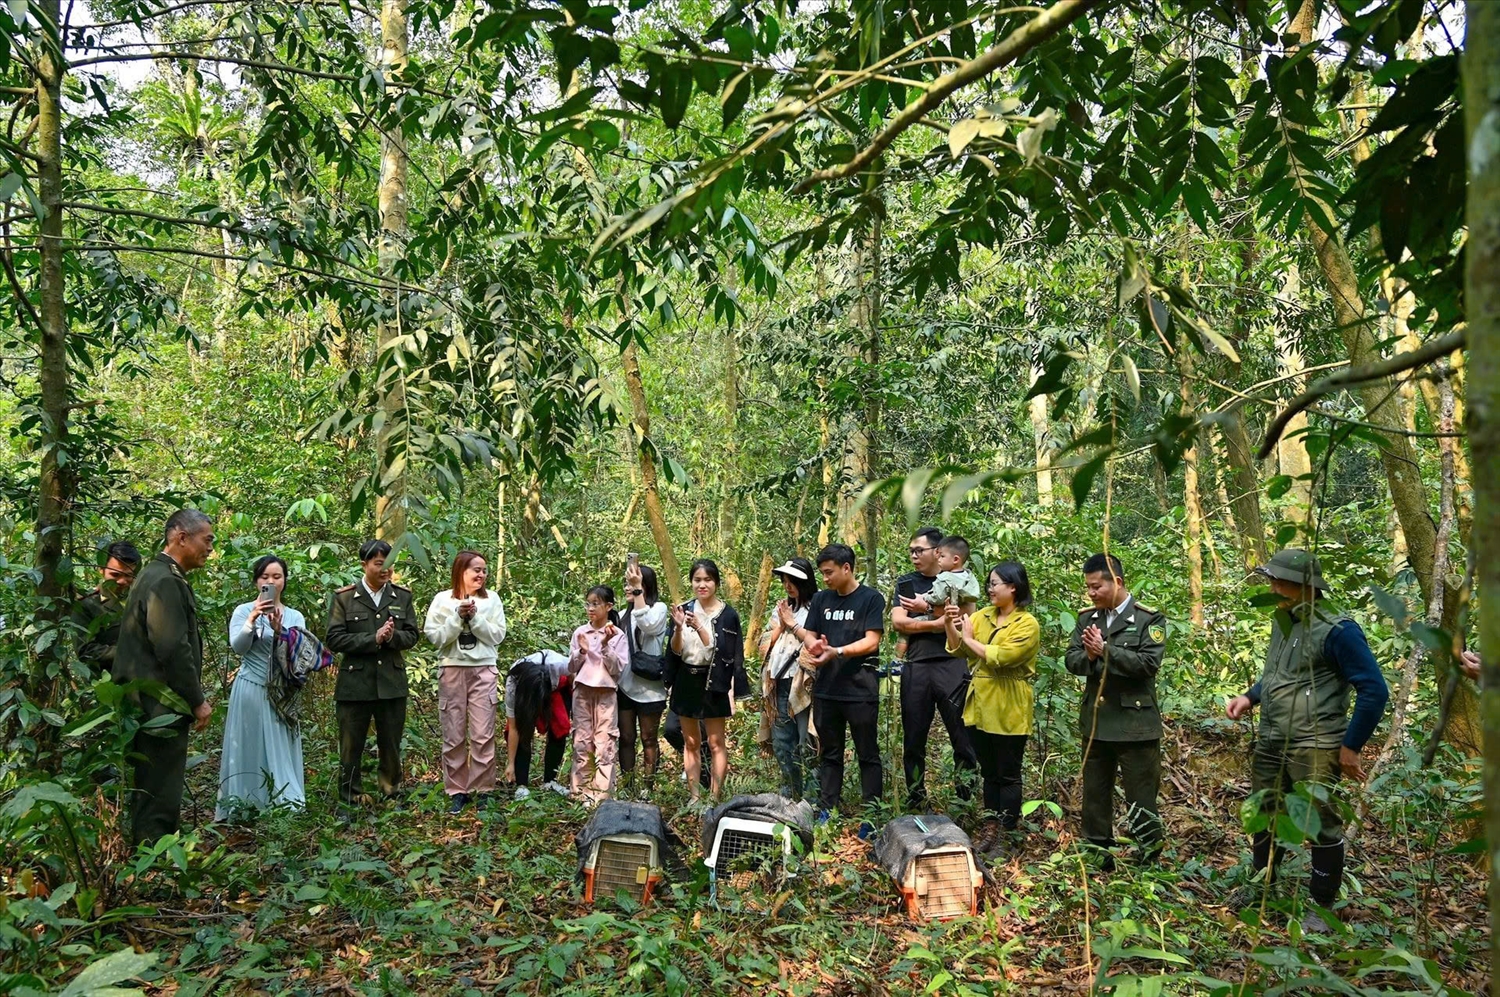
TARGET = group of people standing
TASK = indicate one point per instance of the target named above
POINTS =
(636, 660)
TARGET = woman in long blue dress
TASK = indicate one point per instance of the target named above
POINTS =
(262, 761)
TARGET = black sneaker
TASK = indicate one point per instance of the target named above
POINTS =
(458, 802)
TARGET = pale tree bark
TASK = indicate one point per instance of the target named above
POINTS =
(1291, 448)
(1041, 432)
(500, 536)
(1191, 499)
(758, 608)
(825, 440)
(655, 514)
(728, 499)
(56, 481)
(1481, 82)
(390, 505)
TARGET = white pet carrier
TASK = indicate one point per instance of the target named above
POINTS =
(746, 850)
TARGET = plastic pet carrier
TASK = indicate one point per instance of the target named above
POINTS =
(749, 840)
(624, 848)
(932, 862)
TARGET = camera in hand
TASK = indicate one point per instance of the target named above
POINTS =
(466, 638)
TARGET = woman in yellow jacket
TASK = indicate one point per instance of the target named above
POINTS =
(1002, 640)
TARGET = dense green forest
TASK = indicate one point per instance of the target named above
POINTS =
(1185, 280)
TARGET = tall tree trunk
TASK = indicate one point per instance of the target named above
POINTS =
(1041, 432)
(860, 461)
(1481, 69)
(1291, 448)
(500, 536)
(758, 608)
(390, 505)
(655, 515)
(56, 481)
(1192, 501)
(825, 440)
(727, 498)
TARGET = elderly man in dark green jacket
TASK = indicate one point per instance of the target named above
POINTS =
(1117, 646)
(160, 643)
(1317, 658)
(371, 623)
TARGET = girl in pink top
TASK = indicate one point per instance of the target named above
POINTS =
(596, 656)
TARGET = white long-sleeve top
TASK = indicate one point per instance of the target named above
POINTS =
(443, 625)
(650, 624)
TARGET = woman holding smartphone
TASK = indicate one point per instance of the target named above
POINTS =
(261, 765)
(706, 668)
(467, 623)
(642, 693)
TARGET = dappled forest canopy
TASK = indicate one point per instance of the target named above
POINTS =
(562, 280)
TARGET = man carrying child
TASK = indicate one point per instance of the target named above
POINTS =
(931, 677)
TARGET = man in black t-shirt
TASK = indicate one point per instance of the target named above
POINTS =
(929, 678)
(841, 639)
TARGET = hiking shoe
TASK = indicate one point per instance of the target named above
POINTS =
(822, 818)
(1316, 922)
(866, 830)
(522, 792)
(556, 787)
(457, 802)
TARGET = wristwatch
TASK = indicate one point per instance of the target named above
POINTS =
(636, 591)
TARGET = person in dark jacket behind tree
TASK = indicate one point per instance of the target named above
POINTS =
(1316, 658)
(1117, 646)
(97, 615)
(160, 642)
(371, 623)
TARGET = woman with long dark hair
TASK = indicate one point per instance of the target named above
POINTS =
(642, 692)
(786, 685)
(706, 668)
(467, 623)
(1002, 640)
(261, 765)
(596, 657)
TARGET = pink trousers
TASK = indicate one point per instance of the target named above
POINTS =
(466, 705)
(596, 736)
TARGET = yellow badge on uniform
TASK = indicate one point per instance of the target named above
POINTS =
(1157, 633)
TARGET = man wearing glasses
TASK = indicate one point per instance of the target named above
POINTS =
(930, 677)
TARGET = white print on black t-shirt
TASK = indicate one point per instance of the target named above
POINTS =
(832, 615)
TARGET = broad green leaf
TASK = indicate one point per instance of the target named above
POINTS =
(98, 979)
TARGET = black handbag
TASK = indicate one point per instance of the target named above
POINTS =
(650, 667)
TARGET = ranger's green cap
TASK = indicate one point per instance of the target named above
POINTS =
(1294, 565)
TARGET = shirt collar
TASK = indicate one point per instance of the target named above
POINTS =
(373, 594)
(1113, 613)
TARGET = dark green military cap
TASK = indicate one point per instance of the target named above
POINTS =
(1294, 565)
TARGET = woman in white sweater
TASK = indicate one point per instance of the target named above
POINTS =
(466, 624)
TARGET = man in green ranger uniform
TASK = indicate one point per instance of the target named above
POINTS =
(1317, 657)
(1117, 646)
(160, 642)
(97, 615)
(371, 623)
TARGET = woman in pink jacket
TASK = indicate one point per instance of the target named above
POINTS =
(596, 656)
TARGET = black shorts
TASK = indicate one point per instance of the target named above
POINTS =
(692, 699)
(625, 704)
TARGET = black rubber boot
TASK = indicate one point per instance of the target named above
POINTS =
(1265, 852)
(1327, 873)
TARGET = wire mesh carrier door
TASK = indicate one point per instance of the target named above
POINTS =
(747, 853)
(942, 883)
(622, 863)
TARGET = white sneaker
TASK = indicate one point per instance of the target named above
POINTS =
(557, 788)
(682, 778)
(522, 792)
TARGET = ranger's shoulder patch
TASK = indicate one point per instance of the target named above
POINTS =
(1147, 609)
(1157, 632)
(346, 588)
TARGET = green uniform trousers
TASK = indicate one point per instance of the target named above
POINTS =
(160, 778)
(354, 718)
(1138, 767)
(1278, 769)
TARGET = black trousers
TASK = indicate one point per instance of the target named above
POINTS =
(552, 755)
(927, 688)
(837, 721)
(354, 719)
(671, 732)
(1000, 758)
(160, 777)
(1138, 766)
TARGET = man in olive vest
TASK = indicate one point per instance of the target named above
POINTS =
(370, 624)
(97, 615)
(1117, 646)
(160, 642)
(1317, 657)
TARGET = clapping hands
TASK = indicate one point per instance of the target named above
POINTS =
(1093, 641)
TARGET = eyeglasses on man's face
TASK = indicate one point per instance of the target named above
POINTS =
(918, 551)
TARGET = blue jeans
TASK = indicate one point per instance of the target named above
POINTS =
(789, 742)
